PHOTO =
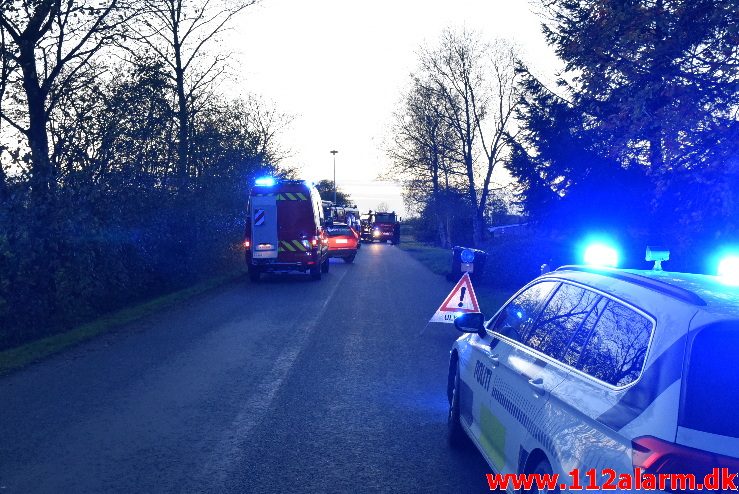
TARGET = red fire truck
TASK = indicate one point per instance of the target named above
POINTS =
(381, 226)
(285, 229)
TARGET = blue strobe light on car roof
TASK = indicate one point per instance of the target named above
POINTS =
(728, 269)
(265, 181)
(602, 255)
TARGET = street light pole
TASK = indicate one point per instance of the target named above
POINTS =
(334, 153)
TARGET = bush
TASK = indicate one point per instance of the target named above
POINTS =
(516, 260)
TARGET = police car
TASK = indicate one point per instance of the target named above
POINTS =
(599, 368)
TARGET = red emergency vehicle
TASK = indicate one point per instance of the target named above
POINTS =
(381, 226)
(343, 242)
(285, 229)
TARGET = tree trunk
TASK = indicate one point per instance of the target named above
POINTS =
(477, 222)
(42, 172)
(478, 225)
(435, 199)
(182, 118)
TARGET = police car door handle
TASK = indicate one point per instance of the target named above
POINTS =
(494, 360)
(537, 385)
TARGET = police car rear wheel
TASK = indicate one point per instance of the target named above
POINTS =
(325, 266)
(349, 259)
(541, 468)
(455, 433)
(315, 273)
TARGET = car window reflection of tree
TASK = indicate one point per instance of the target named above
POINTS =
(518, 313)
(562, 317)
(616, 350)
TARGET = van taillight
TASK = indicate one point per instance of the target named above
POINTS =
(656, 456)
(247, 243)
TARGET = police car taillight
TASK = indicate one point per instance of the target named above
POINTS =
(656, 456)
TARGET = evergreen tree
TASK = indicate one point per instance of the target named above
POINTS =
(643, 118)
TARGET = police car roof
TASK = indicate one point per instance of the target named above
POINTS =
(707, 292)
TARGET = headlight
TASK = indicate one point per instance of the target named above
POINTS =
(376, 233)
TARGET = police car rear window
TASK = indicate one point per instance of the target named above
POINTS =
(710, 400)
(617, 345)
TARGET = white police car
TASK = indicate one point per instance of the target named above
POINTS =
(588, 368)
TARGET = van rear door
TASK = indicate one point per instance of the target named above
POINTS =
(264, 227)
(297, 224)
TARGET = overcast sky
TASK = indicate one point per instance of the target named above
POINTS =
(339, 67)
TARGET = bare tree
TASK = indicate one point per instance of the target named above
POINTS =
(497, 125)
(7, 67)
(420, 150)
(179, 32)
(267, 123)
(476, 82)
(254, 124)
(52, 42)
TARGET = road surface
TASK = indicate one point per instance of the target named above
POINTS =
(284, 386)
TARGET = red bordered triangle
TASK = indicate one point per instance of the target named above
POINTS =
(461, 300)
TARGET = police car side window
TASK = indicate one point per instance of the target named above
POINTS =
(582, 335)
(617, 346)
(561, 319)
(518, 314)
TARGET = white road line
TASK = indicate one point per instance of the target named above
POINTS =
(226, 455)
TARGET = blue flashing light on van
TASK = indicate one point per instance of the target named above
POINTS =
(265, 181)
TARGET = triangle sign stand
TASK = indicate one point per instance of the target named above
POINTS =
(461, 300)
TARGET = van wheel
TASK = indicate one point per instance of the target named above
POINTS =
(325, 266)
(315, 273)
(350, 259)
(455, 434)
(254, 273)
(541, 468)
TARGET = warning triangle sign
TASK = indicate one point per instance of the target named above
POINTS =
(461, 300)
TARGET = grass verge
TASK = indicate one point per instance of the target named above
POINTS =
(436, 259)
(489, 296)
(17, 358)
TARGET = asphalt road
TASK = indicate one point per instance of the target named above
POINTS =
(284, 386)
